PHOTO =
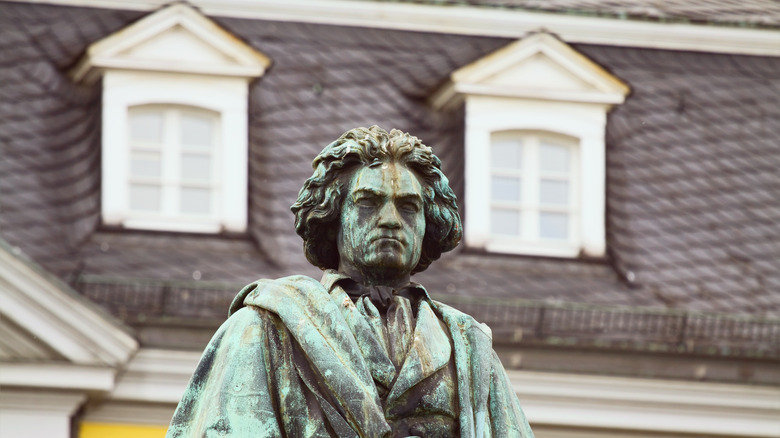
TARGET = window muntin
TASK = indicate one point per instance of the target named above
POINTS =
(173, 170)
(533, 181)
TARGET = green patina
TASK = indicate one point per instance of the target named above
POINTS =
(363, 352)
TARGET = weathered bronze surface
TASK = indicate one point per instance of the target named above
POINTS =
(364, 352)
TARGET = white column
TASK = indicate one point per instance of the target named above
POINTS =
(37, 413)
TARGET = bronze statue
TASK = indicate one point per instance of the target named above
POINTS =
(363, 352)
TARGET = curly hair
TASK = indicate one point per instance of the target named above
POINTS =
(318, 208)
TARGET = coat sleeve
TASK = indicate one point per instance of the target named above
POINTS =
(240, 390)
(506, 416)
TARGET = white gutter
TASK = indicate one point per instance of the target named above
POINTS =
(470, 20)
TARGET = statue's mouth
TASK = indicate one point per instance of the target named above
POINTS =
(387, 239)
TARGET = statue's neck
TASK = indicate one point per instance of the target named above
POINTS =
(376, 277)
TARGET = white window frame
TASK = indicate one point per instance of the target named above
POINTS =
(530, 206)
(486, 115)
(225, 96)
(172, 181)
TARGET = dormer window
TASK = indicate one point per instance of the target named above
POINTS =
(536, 112)
(175, 98)
(174, 172)
(534, 189)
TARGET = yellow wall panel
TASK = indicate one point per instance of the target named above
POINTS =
(105, 430)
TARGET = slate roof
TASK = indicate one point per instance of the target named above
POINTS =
(693, 186)
(693, 181)
(49, 131)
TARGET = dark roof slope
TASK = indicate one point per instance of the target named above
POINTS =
(693, 181)
(692, 154)
(49, 130)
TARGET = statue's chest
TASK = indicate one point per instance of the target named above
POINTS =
(412, 366)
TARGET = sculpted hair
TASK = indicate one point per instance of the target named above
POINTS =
(318, 208)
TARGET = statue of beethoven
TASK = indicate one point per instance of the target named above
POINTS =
(363, 352)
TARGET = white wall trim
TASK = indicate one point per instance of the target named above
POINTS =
(582, 402)
(665, 406)
(534, 93)
(59, 402)
(471, 20)
(156, 376)
(118, 412)
(57, 316)
(57, 375)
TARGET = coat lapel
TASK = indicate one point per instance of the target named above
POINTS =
(430, 352)
(472, 344)
(374, 353)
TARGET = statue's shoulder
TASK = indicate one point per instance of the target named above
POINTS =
(463, 320)
(279, 288)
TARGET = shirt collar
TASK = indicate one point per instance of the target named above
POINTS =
(331, 277)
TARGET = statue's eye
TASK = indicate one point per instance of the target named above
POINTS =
(366, 201)
(409, 206)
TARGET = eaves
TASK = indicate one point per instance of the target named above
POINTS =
(474, 20)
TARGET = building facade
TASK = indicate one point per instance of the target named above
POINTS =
(616, 164)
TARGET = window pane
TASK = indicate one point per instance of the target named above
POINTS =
(196, 130)
(196, 167)
(194, 200)
(506, 154)
(555, 158)
(554, 226)
(504, 221)
(554, 192)
(505, 188)
(145, 165)
(146, 126)
(145, 197)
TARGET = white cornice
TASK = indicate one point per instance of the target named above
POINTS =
(677, 407)
(26, 402)
(158, 376)
(55, 315)
(470, 20)
(57, 376)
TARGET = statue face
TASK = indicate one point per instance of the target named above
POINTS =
(382, 224)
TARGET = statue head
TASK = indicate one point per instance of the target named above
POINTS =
(377, 199)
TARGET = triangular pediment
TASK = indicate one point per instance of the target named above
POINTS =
(176, 44)
(541, 71)
(539, 66)
(43, 320)
(174, 39)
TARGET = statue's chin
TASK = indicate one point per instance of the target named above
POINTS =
(387, 261)
(386, 269)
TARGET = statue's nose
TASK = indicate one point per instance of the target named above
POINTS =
(389, 216)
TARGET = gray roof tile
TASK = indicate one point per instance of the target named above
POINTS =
(704, 180)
